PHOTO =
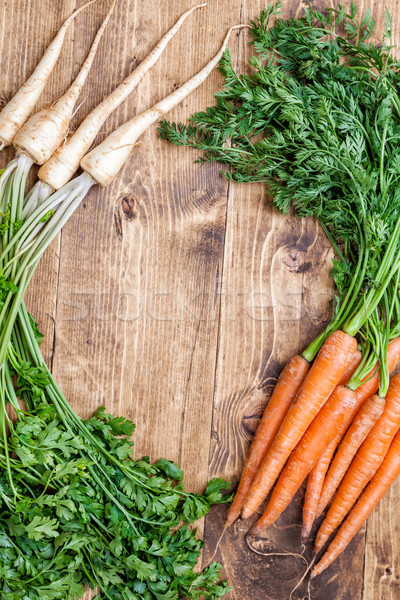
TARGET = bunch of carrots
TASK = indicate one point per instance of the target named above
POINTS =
(334, 415)
(318, 120)
(313, 412)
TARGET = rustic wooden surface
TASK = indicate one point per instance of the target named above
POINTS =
(175, 297)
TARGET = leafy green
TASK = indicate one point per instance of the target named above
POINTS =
(6, 287)
(81, 511)
(35, 327)
(17, 225)
(4, 226)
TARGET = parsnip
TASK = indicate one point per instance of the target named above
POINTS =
(43, 133)
(106, 160)
(57, 171)
(16, 112)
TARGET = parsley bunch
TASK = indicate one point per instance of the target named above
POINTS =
(76, 509)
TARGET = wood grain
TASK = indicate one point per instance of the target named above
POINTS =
(175, 297)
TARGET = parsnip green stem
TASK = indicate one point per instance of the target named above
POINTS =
(37, 194)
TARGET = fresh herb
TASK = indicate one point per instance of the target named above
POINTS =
(6, 287)
(5, 223)
(79, 513)
(17, 225)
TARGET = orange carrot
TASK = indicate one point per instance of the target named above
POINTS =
(363, 392)
(284, 392)
(365, 463)
(314, 486)
(325, 373)
(365, 419)
(355, 361)
(317, 475)
(316, 479)
(377, 488)
(319, 434)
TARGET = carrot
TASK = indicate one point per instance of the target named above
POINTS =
(363, 392)
(365, 463)
(59, 169)
(16, 112)
(314, 486)
(317, 475)
(327, 370)
(365, 419)
(43, 133)
(376, 489)
(105, 161)
(318, 436)
(355, 361)
(284, 392)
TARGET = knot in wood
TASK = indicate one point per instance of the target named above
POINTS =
(128, 207)
(294, 260)
(255, 406)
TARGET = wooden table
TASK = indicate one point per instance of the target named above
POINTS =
(175, 297)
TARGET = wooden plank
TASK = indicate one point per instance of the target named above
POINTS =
(198, 302)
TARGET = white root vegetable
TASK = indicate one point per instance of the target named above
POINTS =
(16, 112)
(119, 148)
(105, 161)
(43, 133)
(57, 171)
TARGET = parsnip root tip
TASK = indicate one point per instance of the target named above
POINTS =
(65, 161)
(17, 110)
(240, 26)
(43, 133)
